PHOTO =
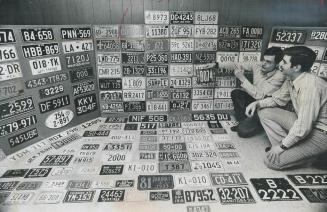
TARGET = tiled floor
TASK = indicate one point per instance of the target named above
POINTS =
(55, 193)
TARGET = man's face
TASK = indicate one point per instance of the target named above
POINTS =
(268, 63)
(285, 65)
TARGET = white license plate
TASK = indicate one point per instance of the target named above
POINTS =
(156, 31)
(157, 106)
(203, 155)
(251, 45)
(106, 31)
(134, 95)
(181, 57)
(141, 168)
(319, 50)
(227, 57)
(49, 197)
(180, 82)
(196, 146)
(8, 53)
(198, 105)
(223, 93)
(323, 70)
(201, 166)
(205, 45)
(77, 46)
(134, 83)
(181, 31)
(227, 81)
(46, 65)
(202, 93)
(315, 68)
(181, 44)
(10, 71)
(59, 119)
(249, 57)
(156, 17)
(223, 104)
(198, 84)
(206, 31)
(108, 96)
(131, 31)
(157, 82)
(318, 35)
(157, 94)
(113, 71)
(206, 18)
(110, 58)
(181, 70)
(19, 198)
(229, 31)
(194, 180)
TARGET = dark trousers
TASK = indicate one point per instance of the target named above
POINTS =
(241, 100)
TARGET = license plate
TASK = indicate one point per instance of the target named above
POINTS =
(56, 160)
(181, 17)
(42, 34)
(51, 91)
(229, 32)
(38, 82)
(83, 87)
(11, 88)
(131, 31)
(155, 182)
(159, 196)
(206, 31)
(46, 65)
(289, 36)
(108, 96)
(157, 45)
(108, 45)
(11, 173)
(7, 36)
(110, 84)
(76, 60)
(156, 31)
(54, 184)
(235, 195)
(118, 147)
(199, 146)
(180, 94)
(134, 95)
(112, 71)
(203, 155)
(206, 18)
(252, 32)
(198, 105)
(196, 180)
(77, 46)
(227, 57)
(148, 147)
(181, 70)
(132, 58)
(202, 93)
(111, 169)
(181, 31)
(106, 31)
(16, 107)
(156, 57)
(134, 106)
(38, 172)
(180, 82)
(157, 82)
(78, 184)
(157, 70)
(181, 57)
(205, 45)
(134, 83)
(174, 166)
(76, 33)
(316, 195)
(157, 94)
(180, 105)
(40, 50)
(251, 45)
(319, 50)
(8, 186)
(275, 189)
(54, 104)
(173, 156)
(65, 141)
(323, 70)
(32, 185)
(308, 179)
(201, 166)
(86, 104)
(8, 53)
(223, 93)
(49, 197)
(203, 195)
(231, 45)
(111, 196)
(225, 146)
(78, 196)
(10, 71)
(96, 133)
(204, 76)
(227, 179)
(181, 44)
(157, 106)
(318, 35)
(141, 168)
(132, 45)
(110, 58)
(172, 147)
(23, 137)
(230, 82)
(17, 125)
(246, 57)
(204, 57)
(19, 198)
(59, 119)
(198, 208)
(156, 17)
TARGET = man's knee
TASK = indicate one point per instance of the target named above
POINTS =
(266, 113)
(273, 166)
(236, 93)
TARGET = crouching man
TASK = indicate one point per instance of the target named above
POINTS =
(300, 136)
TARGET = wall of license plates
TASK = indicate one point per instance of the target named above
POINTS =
(160, 66)
(47, 82)
(312, 37)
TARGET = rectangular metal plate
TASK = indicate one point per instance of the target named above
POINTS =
(198, 105)
(108, 45)
(37, 34)
(23, 137)
(227, 179)
(17, 125)
(134, 83)
(181, 31)
(318, 35)
(109, 58)
(252, 32)
(251, 45)
(157, 70)
(157, 82)
(316, 195)
(206, 31)
(78, 196)
(135, 45)
(110, 71)
(76, 33)
(76, 60)
(10, 71)
(106, 31)
(205, 44)
(111, 196)
(133, 70)
(132, 58)
(249, 57)
(157, 57)
(8, 53)
(46, 65)
(174, 166)
(156, 31)
(16, 107)
(77, 46)
(56, 160)
(134, 106)
(181, 17)
(156, 17)
(181, 44)
(308, 179)
(54, 104)
(180, 105)
(110, 84)
(289, 36)
(206, 17)
(180, 94)
(229, 31)
(37, 50)
(134, 95)
(157, 94)
(235, 195)
(86, 104)
(157, 44)
(157, 106)
(7, 36)
(232, 45)
(38, 172)
(155, 182)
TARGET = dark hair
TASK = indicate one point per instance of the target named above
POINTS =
(275, 51)
(301, 55)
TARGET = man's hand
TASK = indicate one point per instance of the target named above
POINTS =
(274, 153)
(239, 75)
(250, 109)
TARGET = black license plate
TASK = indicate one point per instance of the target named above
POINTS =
(8, 186)
(110, 84)
(111, 169)
(76, 60)
(81, 74)
(205, 76)
(86, 104)
(7, 36)
(229, 31)
(148, 126)
(111, 196)
(54, 104)
(14, 173)
(132, 58)
(118, 147)
(181, 58)
(173, 156)
(156, 57)
(235, 195)
(308, 179)
(180, 94)
(109, 96)
(251, 45)
(76, 33)
(174, 166)
(108, 45)
(228, 45)
(38, 172)
(275, 189)
(180, 105)
(40, 50)
(204, 195)
(157, 94)
(129, 126)
(318, 35)
(147, 118)
(37, 34)
(290, 36)
(172, 147)
(204, 57)
(83, 87)
(16, 107)
(56, 160)
(252, 32)
(17, 125)
(96, 133)
(79, 196)
(316, 195)
(51, 91)
(157, 82)
(134, 106)
(23, 137)
(227, 179)
(181, 17)
(155, 182)
(34, 83)
(157, 70)
(32, 185)
(157, 45)
(132, 45)
(135, 71)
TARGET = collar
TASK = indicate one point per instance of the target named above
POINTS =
(299, 81)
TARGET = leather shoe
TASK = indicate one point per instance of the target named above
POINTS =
(249, 127)
(234, 128)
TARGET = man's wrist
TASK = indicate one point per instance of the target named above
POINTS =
(283, 147)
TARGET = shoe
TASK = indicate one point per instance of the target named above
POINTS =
(320, 162)
(248, 128)
(234, 128)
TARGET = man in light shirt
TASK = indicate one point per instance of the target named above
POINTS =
(300, 136)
